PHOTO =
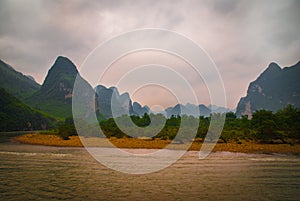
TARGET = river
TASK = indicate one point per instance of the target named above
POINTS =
(30, 172)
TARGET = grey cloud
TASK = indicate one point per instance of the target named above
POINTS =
(241, 36)
(225, 6)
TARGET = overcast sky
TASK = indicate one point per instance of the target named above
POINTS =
(242, 37)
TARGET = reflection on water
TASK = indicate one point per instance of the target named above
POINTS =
(51, 173)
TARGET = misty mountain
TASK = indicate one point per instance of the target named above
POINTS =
(139, 110)
(274, 89)
(16, 83)
(108, 97)
(218, 109)
(55, 95)
(188, 109)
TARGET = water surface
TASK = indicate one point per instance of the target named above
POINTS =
(29, 172)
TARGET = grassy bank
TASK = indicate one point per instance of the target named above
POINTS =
(75, 141)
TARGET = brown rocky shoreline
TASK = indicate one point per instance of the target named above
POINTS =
(75, 141)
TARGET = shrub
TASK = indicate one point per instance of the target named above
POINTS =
(67, 129)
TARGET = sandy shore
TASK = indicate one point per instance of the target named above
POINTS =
(74, 141)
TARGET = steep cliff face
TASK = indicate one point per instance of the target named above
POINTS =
(110, 97)
(59, 81)
(55, 95)
(272, 90)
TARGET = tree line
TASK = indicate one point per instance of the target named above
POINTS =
(264, 126)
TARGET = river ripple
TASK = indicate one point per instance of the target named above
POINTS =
(30, 172)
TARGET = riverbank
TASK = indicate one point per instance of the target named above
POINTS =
(75, 141)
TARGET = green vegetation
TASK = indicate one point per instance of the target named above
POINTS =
(67, 129)
(16, 116)
(54, 107)
(265, 126)
(16, 83)
(54, 96)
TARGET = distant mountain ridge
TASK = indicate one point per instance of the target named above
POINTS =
(106, 97)
(218, 109)
(272, 90)
(55, 95)
(122, 103)
(140, 110)
(188, 109)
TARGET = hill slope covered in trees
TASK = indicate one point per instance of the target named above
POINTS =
(16, 116)
(16, 83)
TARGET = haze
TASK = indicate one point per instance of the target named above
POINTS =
(242, 37)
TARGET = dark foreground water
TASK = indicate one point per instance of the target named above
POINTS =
(49, 173)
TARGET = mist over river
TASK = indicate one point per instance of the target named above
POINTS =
(30, 172)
